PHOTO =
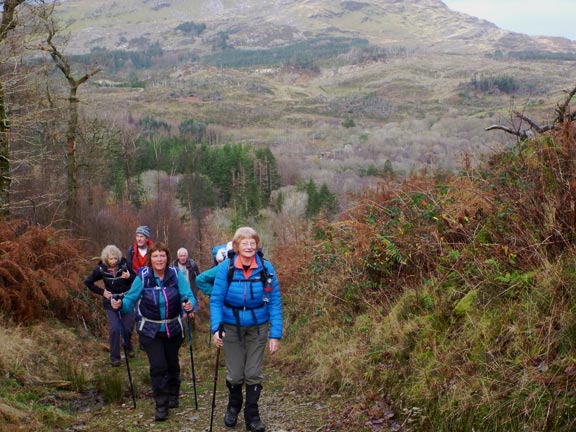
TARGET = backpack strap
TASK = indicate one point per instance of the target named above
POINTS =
(231, 267)
(263, 278)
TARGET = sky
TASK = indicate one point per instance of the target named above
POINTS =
(532, 17)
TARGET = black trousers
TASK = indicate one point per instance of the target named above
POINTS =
(164, 365)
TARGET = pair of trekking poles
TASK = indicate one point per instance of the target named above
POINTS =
(220, 329)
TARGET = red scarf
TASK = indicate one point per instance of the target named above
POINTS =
(139, 260)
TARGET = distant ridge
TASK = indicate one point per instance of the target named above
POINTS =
(429, 24)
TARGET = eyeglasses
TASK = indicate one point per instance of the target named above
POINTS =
(248, 243)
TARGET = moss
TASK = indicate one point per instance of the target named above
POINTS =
(466, 304)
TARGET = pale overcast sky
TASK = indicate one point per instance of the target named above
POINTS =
(532, 17)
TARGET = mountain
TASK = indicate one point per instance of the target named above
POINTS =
(338, 90)
(116, 24)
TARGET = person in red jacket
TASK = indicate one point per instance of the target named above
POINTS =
(137, 254)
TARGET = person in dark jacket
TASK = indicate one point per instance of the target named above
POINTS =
(190, 270)
(161, 292)
(113, 270)
(250, 309)
(137, 253)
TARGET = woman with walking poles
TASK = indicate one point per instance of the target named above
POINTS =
(112, 269)
(246, 301)
(162, 292)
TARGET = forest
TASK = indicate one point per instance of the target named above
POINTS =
(438, 299)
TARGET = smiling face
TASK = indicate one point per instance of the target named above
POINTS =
(247, 247)
(158, 260)
(245, 243)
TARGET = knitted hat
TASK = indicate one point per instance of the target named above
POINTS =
(144, 230)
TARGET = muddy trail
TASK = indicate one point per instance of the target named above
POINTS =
(284, 406)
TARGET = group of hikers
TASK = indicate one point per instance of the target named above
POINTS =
(147, 290)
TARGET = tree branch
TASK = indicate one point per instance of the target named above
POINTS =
(562, 115)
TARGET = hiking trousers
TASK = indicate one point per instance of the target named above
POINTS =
(245, 353)
(114, 333)
(162, 355)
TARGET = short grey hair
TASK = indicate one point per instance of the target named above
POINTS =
(181, 250)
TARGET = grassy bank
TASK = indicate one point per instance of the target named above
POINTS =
(448, 299)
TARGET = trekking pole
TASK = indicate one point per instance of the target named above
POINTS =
(220, 329)
(185, 300)
(117, 297)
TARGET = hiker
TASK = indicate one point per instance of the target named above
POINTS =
(219, 252)
(190, 269)
(205, 280)
(136, 255)
(161, 291)
(249, 306)
(113, 270)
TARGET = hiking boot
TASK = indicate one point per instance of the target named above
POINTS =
(115, 363)
(131, 353)
(251, 413)
(234, 404)
(161, 413)
(255, 425)
(231, 417)
(173, 401)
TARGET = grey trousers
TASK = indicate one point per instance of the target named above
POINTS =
(245, 355)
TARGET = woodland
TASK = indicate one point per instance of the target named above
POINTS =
(424, 289)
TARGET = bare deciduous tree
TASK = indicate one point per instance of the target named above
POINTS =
(63, 64)
(7, 24)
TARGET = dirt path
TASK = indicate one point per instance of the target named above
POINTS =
(281, 408)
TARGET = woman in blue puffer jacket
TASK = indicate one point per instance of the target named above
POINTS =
(246, 301)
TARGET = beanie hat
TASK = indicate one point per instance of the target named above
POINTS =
(144, 230)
